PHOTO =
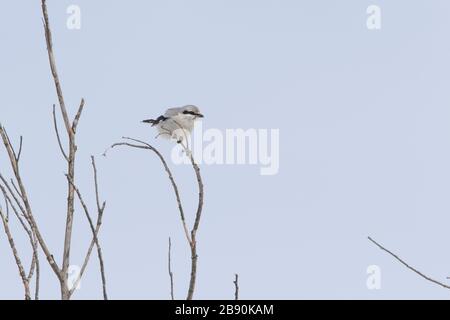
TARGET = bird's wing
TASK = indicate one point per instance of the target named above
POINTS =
(172, 112)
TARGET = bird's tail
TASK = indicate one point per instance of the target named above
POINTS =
(151, 121)
(154, 122)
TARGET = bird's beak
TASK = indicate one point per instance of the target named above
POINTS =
(199, 115)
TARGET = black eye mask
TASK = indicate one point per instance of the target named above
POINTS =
(193, 113)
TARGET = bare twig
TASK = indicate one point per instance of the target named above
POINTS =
(71, 129)
(18, 203)
(16, 256)
(236, 287)
(71, 157)
(26, 210)
(35, 264)
(95, 241)
(100, 209)
(170, 269)
(20, 149)
(37, 267)
(147, 146)
(31, 235)
(10, 203)
(10, 144)
(163, 133)
(21, 205)
(15, 188)
(194, 230)
(77, 116)
(191, 237)
(51, 59)
(6, 203)
(408, 266)
(55, 125)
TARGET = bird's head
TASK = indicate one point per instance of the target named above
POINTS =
(193, 111)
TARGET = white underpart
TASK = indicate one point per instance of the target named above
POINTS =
(178, 126)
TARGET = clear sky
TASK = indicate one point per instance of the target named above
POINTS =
(363, 117)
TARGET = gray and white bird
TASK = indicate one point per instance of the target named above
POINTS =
(176, 123)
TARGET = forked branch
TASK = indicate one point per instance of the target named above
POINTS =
(23, 203)
(95, 230)
(19, 264)
(71, 128)
(190, 236)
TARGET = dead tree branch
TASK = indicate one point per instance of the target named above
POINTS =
(145, 145)
(407, 265)
(31, 235)
(100, 210)
(194, 230)
(71, 128)
(12, 244)
(95, 230)
(190, 236)
(236, 287)
(26, 208)
(16, 196)
(170, 269)
(55, 125)
(35, 266)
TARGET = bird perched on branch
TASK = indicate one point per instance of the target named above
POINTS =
(176, 123)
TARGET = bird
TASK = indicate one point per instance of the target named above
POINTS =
(176, 123)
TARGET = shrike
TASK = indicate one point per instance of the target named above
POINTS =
(176, 123)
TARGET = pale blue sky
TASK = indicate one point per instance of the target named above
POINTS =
(364, 128)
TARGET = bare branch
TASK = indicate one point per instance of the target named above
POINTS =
(19, 194)
(236, 287)
(20, 149)
(27, 210)
(100, 210)
(147, 146)
(16, 256)
(6, 204)
(200, 196)
(51, 59)
(97, 196)
(10, 143)
(170, 269)
(194, 230)
(55, 125)
(192, 237)
(95, 241)
(9, 202)
(77, 116)
(408, 266)
(71, 156)
(15, 188)
(13, 195)
(162, 133)
(35, 264)
(33, 240)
